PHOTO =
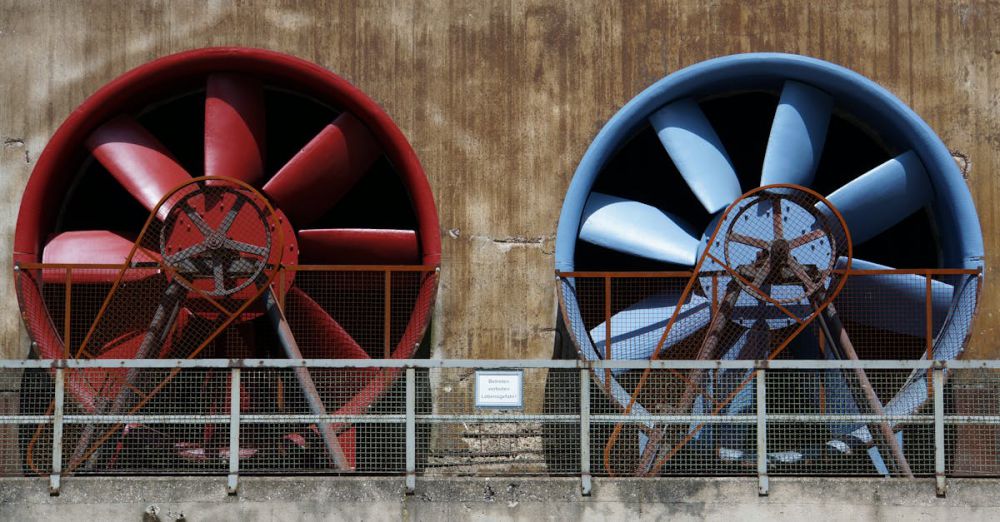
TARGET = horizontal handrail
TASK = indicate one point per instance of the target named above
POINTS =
(777, 364)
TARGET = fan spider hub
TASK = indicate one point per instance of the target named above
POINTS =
(781, 244)
(218, 239)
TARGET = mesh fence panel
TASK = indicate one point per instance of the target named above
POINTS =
(818, 422)
(973, 446)
(116, 312)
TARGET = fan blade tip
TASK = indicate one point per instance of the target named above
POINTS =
(137, 160)
(234, 127)
(798, 134)
(635, 228)
(359, 246)
(326, 168)
(697, 152)
(882, 197)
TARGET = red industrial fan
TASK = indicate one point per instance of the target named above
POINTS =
(202, 174)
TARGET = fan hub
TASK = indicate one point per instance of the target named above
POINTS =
(218, 238)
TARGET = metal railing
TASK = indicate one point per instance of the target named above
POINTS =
(564, 418)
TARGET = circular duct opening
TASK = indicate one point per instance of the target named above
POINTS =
(651, 189)
(346, 187)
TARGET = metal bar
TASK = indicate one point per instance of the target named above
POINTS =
(66, 312)
(411, 431)
(291, 348)
(57, 432)
(164, 317)
(929, 333)
(776, 364)
(929, 311)
(955, 420)
(387, 312)
(360, 268)
(607, 326)
(282, 287)
(626, 275)
(685, 274)
(829, 321)
(26, 419)
(948, 420)
(715, 295)
(939, 469)
(232, 483)
(762, 480)
(908, 271)
(215, 419)
(431, 268)
(585, 482)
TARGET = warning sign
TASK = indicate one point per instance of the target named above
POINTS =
(499, 389)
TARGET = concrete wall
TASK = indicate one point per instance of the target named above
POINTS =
(196, 499)
(500, 99)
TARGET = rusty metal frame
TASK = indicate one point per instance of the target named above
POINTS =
(853, 364)
(817, 313)
(280, 269)
(616, 432)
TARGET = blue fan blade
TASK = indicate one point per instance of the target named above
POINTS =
(797, 135)
(698, 153)
(637, 330)
(883, 196)
(637, 229)
(894, 302)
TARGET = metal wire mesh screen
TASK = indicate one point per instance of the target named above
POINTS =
(880, 314)
(810, 429)
(815, 421)
(483, 441)
(973, 440)
(331, 313)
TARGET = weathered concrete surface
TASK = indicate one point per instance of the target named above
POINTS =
(494, 499)
(500, 100)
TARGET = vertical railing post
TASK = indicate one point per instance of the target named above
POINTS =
(585, 483)
(939, 473)
(762, 482)
(387, 312)
(411, 431)
(607, 326)
(57, 432)
(68, 297)
(233, 483)
(929, 326)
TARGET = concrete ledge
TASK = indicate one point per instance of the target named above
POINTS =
(381, 498)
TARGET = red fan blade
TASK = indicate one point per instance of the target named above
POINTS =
(137, 160)
(234, 127)
(357, 246)
(324, 170)
(309, 321)
(93, 247)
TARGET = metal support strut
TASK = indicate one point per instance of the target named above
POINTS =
(232, 485)
(939, 471)
(411, 431)
(291, 348)
(585, 483)
(57, 432)
(762, 481)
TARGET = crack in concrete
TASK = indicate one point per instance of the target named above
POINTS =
(963, 161)
(13, 143)
(520, 240)
(542, 241)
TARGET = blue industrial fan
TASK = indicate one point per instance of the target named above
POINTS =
(731, 124)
